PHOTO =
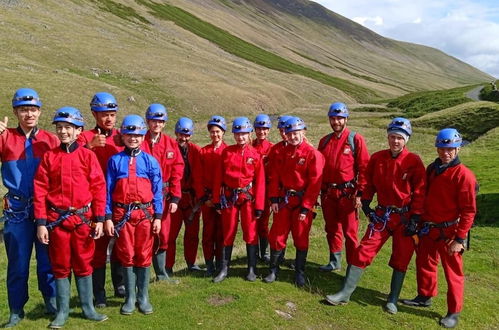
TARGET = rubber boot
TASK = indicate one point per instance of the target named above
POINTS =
(450, 320)
(252, 254)
(63, 293)
(210, 268)
(275, 259)
(159, 264)
(263, 254)
(130, 283)
(143, 274)
(15, 317)
(50, 305)
(301, 259)
(224, 268)
(117, 279)
(194, 268)
(395, 288)
(84, 286)
(99, 282)
(334, 263)
(419, 301)
(352, 277)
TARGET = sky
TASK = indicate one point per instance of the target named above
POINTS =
(465, 29)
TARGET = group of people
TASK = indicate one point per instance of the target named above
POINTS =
(129, 190)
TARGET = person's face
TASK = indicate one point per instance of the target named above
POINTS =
(262, 133)
(216, 134)
(156, 126)
(295, 138)
(283, 134)
(447, 155)
(132, 141)
(105, 119)
(27, 116)
(66, 132)
(396, 142)
(242, 138)
(338, 123)
(182, 139)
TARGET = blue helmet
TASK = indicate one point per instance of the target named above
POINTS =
(157, 111)
(133, 124)
(26, 96)
(69, 115)
(241, 125)
(263, 121)
(281, 121)
(400, 125)
(448, 138)
(103, 101)
(184, 126)
(338, 109)
(294, 124)
(217, 121)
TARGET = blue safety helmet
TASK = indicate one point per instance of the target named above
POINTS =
(338, 109)
(133, 124)
(69, 115)
(103, 101)
(157, 111)
(263, 121)
(26, 96)
(294, 124)
(448, 138)
(184, 126)
(241, 125)
(217, 121)
(281, 121)
(401, 125)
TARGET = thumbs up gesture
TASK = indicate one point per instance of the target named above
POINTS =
(3, 124)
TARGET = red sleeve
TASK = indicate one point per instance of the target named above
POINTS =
(176, 174)
(97, 187)
(361, 161)
(418, 184)
(218, 177)
(369, 188)
(41, 188)
(467, 188)
(259, 185)
(315, 165)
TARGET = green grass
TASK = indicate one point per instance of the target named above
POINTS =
(241, 48)
(121, 11)
(489, 94)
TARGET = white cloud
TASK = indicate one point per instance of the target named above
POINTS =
(377, 21)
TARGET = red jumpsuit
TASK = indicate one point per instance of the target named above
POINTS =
(343, 165)
(264, 148)
(70, 178)
(450, 195)
(398, 182)
(166, 151)
(212, 239)
(191, 236)
(296, 176)
(103, 154)
(241, 167)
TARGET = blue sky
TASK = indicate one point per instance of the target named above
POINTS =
(465, 29)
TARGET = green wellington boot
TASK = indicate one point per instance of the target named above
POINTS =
(63, 293)
(352, 277)
(130, 298)
(143, 274)
(275, 260)
(395, 288)
(224, 268)
(334, 263)
(159, 264)
(84, 286)
(300, 261)
(15, 317)
(252, 253)
(99, 287)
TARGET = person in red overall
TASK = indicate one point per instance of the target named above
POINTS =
(262, 126)
(134, 208)
(450, 209)
(397, 177)
(209, 158)
(293, 190)
(239, 192)
(165, 150)
(104, 141)
(70, 199)
(187, 213)
(343, 181)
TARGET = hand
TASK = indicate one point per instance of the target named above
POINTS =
(302, 217)
(3, 124)
(209, 203)
(99, 140)
(275, 208)
(118, 141)
(109, 228)
(156, 226)
(98, 230)
(172, 208)
(455, 247)
(43, 234)
(357, 203)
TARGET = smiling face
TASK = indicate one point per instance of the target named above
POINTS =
(262, 133)
(242, 138)
(156, 126)
(216, 134)
(338, 124)
(105, 119)
(396, 142)
(283, 134)
(132, 141)
(27, 116)
(296, 137)
(447, 155)
(182, 139)
(66, 132)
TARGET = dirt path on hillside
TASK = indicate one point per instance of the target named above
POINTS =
(474, 94)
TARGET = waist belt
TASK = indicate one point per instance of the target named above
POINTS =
(291, 193)
(19, 198)
(234, 195)
(128, 212)
(188, 191)
(66, 213)
(394, 209)
(344, 185)
(427, 225)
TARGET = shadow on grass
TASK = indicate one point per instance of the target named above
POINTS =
(488, 210)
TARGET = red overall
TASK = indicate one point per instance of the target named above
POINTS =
(297, 174)
(343, 165)
(450, 195)
(103, 154)
(241, 168)
(67, 180)
(191, 234)
(397, 182)
(166, 151)
(212, 239)
(264, 148)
